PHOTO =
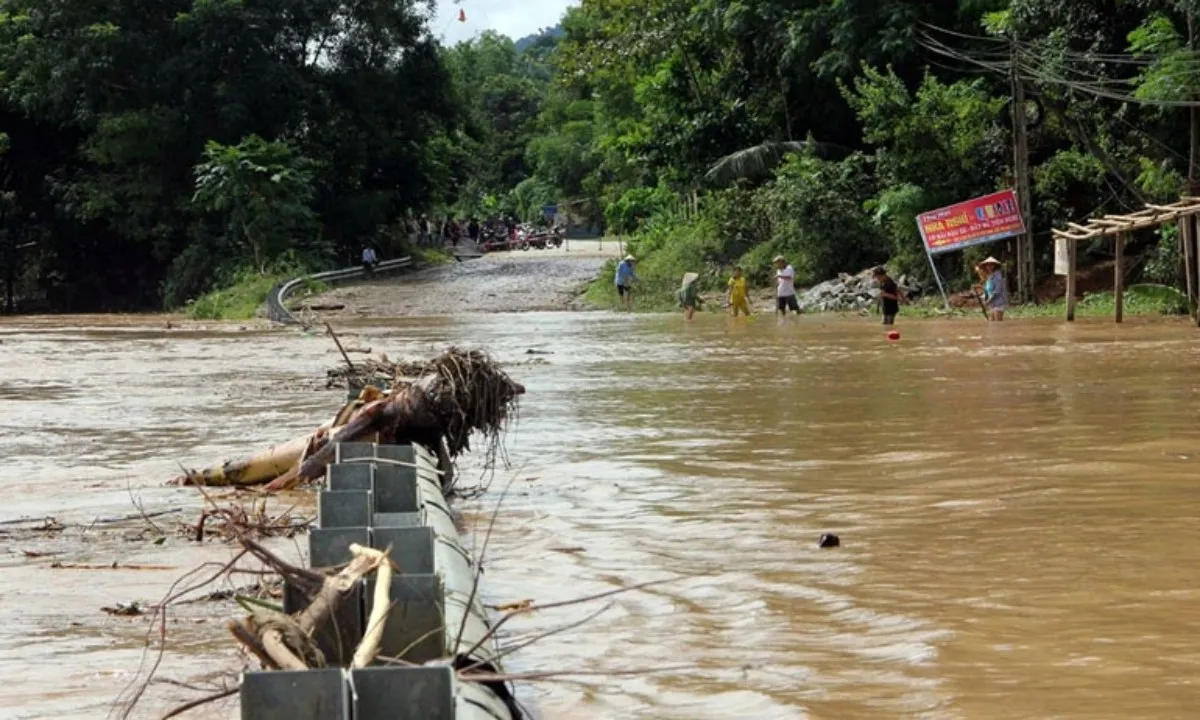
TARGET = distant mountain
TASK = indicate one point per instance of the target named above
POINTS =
(555, 32)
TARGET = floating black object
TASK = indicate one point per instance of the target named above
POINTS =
(829, 540)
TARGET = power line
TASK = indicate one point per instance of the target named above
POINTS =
(929, 43)
(1151, 138)
(1081, 56)
(1046, 66)
(965, 36)
(1097, 90)
(1095, 86)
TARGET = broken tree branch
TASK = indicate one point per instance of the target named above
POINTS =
(202, 701)
(336, 341)
(369, 647)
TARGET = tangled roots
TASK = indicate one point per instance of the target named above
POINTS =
(470, 393)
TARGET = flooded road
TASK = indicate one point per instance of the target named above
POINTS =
(499, 282)
(1017, 505)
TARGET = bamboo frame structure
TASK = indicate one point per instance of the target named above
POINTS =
(1120, 227)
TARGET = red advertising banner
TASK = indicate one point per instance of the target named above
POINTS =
(982, 220)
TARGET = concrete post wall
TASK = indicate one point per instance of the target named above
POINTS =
(387, 496)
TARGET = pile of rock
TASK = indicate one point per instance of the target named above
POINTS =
(849, 293)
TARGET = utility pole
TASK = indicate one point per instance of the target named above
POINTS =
(1193, 113)
(1025, 256)
(1187, 226)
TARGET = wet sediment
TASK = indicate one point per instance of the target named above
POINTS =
(538, 280)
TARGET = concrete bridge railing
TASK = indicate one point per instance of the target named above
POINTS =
(276, 299)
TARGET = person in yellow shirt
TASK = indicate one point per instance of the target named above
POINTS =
(739, 301)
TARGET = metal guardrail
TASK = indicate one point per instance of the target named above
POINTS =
(277, 310)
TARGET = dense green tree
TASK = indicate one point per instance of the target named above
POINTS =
(501, 92)
(817, 128)
(109, 108)
(262, 192)
(684, 91)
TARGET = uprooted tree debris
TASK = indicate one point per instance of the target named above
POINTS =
(384, 372)
(370, 371)
(285, 642)
(235, 520)
(333, 617)
(438, 404)
(282, 641)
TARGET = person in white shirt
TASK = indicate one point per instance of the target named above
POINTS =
(785, 287)
(369, 260)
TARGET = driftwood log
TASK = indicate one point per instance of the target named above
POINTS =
(461, 392)
(284, 642)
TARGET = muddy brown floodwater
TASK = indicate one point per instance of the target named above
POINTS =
(1017, 504)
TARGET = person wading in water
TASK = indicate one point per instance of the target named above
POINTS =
(785, 287)
(625, 278)
(994, 288)
(689, 296)
(739, 299)
(889, 295)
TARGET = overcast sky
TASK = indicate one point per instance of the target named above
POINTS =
(514, 18)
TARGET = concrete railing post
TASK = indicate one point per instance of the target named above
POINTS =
(389, 496)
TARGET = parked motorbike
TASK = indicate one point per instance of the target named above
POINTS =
(492, 241)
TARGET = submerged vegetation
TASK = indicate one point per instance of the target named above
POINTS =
(152, 158)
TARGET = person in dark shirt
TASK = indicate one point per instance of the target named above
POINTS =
(889, 295)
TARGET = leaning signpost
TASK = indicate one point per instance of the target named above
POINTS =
(974, 222)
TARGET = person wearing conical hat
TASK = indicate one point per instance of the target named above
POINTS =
(625, 277)
(689, 296)
(993, 287)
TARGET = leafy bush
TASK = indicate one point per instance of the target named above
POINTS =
(817, 211)
(432, 256)
(1069, 182)
(636, 206)
(1145, 299)
(1164, 260)
(665, 253)
(263, 191)
(812, 212)
(241, 293)
(934, 147)
(1157, 298)
(530, 196)
(192, 273)
(894, 211)
(238, 301)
